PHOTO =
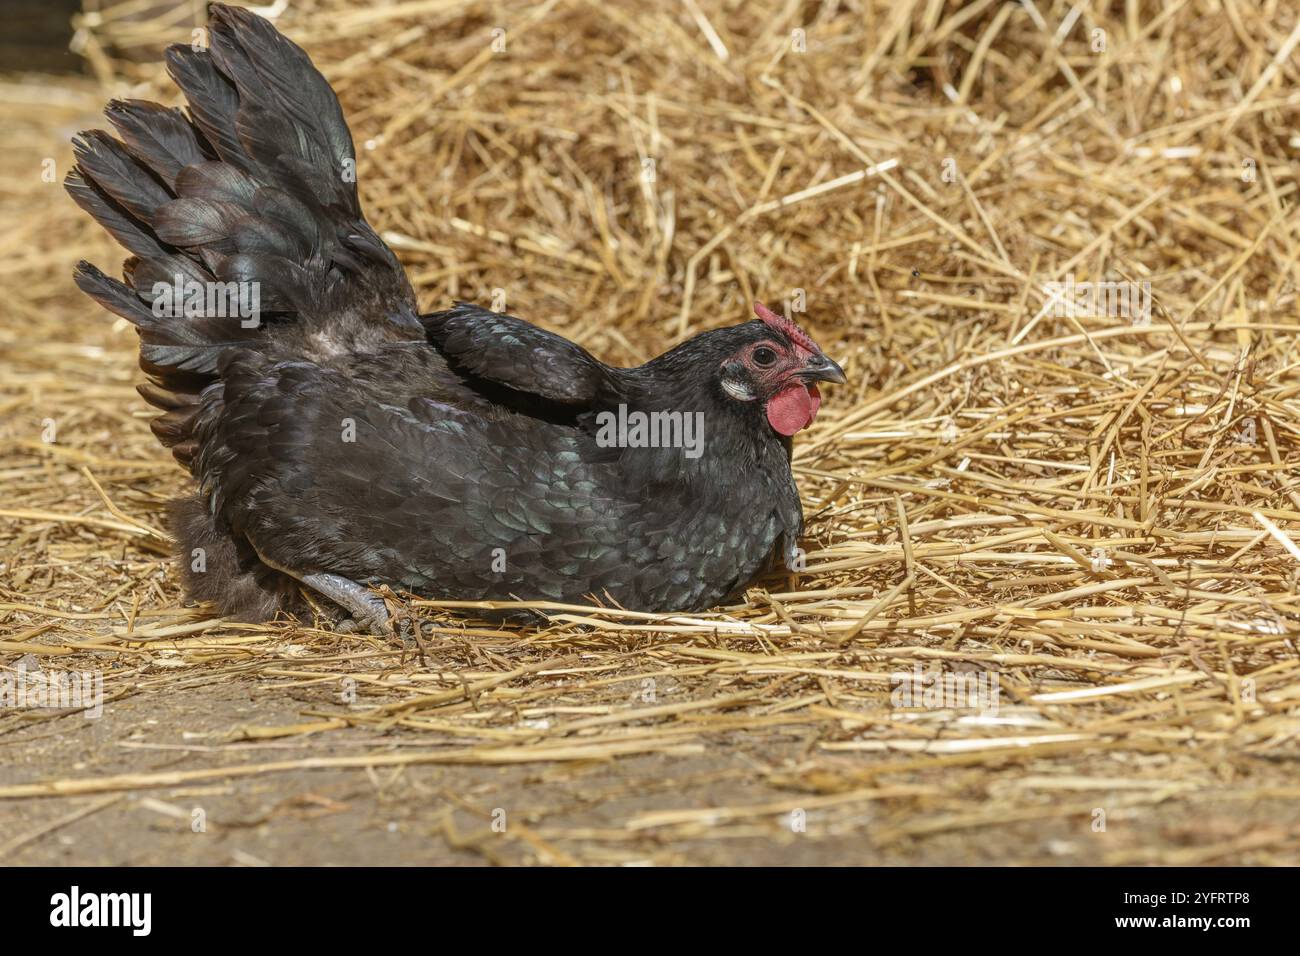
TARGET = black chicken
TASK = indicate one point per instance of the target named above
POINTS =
(341, 440)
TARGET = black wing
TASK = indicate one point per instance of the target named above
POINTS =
(517, 354)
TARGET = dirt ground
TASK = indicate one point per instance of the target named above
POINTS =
(724, 799)
(595, 812)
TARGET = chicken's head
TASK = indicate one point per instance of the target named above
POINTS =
(779, 366)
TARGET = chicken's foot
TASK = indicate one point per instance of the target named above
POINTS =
(368, 612)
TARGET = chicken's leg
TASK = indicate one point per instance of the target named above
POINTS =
(367, 611)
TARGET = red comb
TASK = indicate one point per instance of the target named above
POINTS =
(780, 323)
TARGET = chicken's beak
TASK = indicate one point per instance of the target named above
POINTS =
(821, 369)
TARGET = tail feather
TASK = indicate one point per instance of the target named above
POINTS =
(212, 99)
(147, 274)
(186, 342)
(261, 237)
(191, 222)
(106, 162)
(296, 220)
(276, 81)
(165, 270)
(121, 225)
(163, 398)
(161, 138)
(215, 181)
(255, 185)
(113, 295)
(284, 285)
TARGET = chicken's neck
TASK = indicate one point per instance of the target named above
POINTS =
(684, 431)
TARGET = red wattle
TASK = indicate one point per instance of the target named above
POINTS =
(793, 408)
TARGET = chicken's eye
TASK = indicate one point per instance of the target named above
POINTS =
(764, 357)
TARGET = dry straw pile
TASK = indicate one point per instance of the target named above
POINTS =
(1095, 515)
